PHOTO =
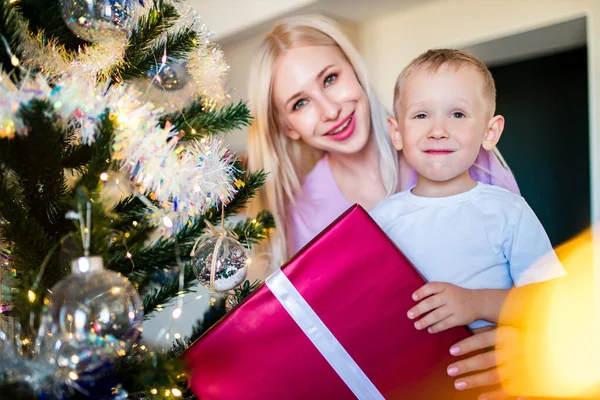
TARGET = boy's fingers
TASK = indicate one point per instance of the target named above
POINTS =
(443, 325)
(427, 290)
(432, 318)
(430, 303)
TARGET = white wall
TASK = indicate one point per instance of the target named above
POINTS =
(238, 55)
(389, 42)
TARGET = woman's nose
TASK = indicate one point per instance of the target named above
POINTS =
(330, 109)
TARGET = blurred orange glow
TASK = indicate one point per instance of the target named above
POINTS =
(561, 326)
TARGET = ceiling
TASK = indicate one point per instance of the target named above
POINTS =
(232, 19)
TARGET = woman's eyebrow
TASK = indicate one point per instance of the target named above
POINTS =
(318, 77)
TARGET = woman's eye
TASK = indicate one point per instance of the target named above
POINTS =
(299, 104)
(329, 79)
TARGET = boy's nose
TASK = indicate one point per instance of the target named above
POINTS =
(438, 132)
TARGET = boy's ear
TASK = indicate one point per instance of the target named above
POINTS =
(395, 133)
(494, 131)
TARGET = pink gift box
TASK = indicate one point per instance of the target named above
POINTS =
(359, 285)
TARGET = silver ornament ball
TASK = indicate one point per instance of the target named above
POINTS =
(93, 317)
(171, 76)
(99, 21)
(231, 263)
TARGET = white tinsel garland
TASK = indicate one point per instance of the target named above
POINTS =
(185, 178)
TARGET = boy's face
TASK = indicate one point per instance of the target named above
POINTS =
(443, 120)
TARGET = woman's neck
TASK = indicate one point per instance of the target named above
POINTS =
(362, 164)
(358, 175)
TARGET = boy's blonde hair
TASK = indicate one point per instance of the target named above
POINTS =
(285, 160)
(432, 60)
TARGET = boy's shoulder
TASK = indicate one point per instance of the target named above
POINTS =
(392, 201)
(391, 207)
(496, 194)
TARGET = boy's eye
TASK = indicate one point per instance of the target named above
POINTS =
(458, 114)
(329, 79)
(420, 116)
(299, 104)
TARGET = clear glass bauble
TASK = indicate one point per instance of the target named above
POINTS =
(231, 263)
(93, 317)
(171, 77)
(99, 21)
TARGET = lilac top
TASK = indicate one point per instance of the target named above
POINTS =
(322, 201)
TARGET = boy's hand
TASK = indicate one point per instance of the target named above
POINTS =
(448, 306)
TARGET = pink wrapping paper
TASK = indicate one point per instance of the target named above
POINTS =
(360, 285)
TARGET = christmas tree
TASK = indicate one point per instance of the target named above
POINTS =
(111, 113)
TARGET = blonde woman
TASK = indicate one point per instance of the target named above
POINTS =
(320, 133)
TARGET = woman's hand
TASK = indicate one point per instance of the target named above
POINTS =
(503, 349)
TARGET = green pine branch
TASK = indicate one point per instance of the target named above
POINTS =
(159, 19)
(75, 158)
(11, 26)
(150, 259)
(176, 46)
(143, 370)
(249, 232)
(168, 290)
(30, 241)
(35, 189)
(241, 292)
(209, 122)
(215, 312)
(100, 157)
(251, 182)
(253, 230)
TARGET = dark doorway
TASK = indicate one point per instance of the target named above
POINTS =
(546, 137)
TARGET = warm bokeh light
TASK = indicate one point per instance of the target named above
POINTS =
(561, 325)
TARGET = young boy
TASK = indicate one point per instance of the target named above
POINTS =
(470, 240)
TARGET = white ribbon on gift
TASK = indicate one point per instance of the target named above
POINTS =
(321, 337)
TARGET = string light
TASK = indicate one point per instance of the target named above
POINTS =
(31, 296)
(104, 177)
(176, 392)
(176, 313)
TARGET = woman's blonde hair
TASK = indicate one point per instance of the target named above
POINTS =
(285, 160)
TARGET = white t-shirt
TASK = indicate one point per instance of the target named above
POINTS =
(485, 238)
